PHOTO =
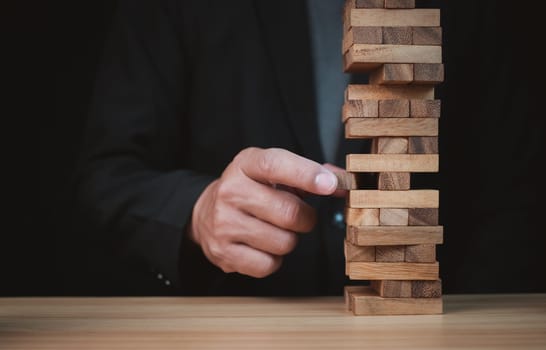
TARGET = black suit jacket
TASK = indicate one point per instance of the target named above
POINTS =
(183, 87)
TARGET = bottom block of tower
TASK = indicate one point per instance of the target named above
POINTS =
(348, 290)
(365, 301)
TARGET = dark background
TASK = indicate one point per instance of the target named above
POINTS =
(492, 149)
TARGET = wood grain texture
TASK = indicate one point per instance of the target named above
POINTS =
(350, 66)
(423, 145)
(423, 217)
(370, 4)
(348, 7)
(392, 163)
(393, 181)
(390, 253)
(347, 41)
(379, 54)
(427, 35)
(394, 199)
(386, 127)
(392, 271)
(425, 108)
(367, 35)
(362, 35)
(399, 4)
(428, 73)
(365, 304)
(360, 109)
(394, 108)
(425, 289)
(421, 253)
(348, 290)
(354, 253)
(392, 74)
(346, 180)
(361, 217)
(397, 36)
(394, 18)
(393, 217)
(486, 321)
(391, 289)
(378, 92)
(394, 235)
(390, 145)
(405, 289)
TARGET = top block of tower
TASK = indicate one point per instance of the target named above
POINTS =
(378, 32)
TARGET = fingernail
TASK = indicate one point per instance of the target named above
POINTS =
(326, 182)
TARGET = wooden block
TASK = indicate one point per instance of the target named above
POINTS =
(425, 108)
(367, 35)
(394, 108)
(369, 303)
(405, 289)
(362, 35)
(390, 145)
(379, 127)
(392, 73)
(346, 296)
(346, 180)
(424, 73)
(424, 289)
(391, 289)
(397, 36)
(427, 35)
(394, 235)
(355, 253)
(362, 217)
(348, 290)
(390, 253)
(423, 145)
(392, 271)
(394, 18)
(378, 92)
(350, 66)
(369, 4)
(347, 9)
(423, 217)
(393, 217)
(400, 4)
(360, 109)
(347, 41)
(393, 181)
(422, 253)
(379, 54)
(394, 199)
(424, 163)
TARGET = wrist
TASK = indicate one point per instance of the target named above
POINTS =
(193, 228)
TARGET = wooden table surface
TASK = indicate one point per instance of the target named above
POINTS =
(470, 321)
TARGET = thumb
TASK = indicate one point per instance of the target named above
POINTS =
(345, 181)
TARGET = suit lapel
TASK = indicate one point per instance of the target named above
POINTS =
(284, 27)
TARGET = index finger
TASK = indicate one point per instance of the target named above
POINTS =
(279, 166)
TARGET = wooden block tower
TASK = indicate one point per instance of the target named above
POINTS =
(392, 230)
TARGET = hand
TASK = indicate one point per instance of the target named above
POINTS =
(244, 223)
(342, 176)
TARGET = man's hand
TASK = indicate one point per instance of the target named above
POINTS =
(244, 223)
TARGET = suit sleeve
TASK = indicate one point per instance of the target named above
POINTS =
(135, 180)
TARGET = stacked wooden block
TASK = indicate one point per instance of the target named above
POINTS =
(392, 230)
